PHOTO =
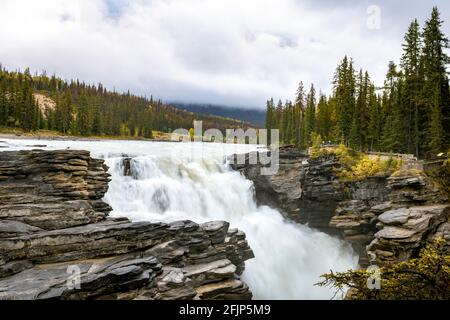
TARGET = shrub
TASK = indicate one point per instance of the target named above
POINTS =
(392, 163)
(367, 167)
(316, 151)
(426, 277)
(347, 157)
(354, 165)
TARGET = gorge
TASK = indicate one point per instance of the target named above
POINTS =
(161, 186)
(386, 217)
(148, 220)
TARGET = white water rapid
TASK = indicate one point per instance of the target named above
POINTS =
(169, 184)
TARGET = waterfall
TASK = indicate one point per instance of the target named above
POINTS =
(168, 184)
(289, 258)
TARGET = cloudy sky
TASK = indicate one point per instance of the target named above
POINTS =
(228, 52)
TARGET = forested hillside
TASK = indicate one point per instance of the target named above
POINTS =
(32, 102)
(410, 113)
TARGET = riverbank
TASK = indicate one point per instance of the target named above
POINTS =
(54, 135)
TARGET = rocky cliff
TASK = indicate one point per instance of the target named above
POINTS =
(384, 217)
(57, 241)
(282, 190)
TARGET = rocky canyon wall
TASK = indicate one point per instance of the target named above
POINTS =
(384, 217)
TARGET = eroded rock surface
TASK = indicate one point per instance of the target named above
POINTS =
(282, 190)
(385, 218)
(52, 189)
(57, 242)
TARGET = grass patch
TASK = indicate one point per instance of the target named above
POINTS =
(50, 134)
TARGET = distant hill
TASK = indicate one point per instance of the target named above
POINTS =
(39, 102)
(253, 116)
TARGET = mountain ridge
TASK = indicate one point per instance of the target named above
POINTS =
(248, 115)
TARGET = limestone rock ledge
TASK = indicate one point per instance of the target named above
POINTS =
(57, 242)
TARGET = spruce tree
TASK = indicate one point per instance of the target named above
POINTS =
(299, 116)
(84, 124)
(436, 87)
(344, 93)
(375, 120)
(324, 122)
(411, 65)
(310, 115)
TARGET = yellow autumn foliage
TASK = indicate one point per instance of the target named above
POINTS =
(426, 277)
(368, 167)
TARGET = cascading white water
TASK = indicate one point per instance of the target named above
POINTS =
(289, 258)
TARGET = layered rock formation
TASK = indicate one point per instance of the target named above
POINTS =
(282, 190)
(385, 218)
(52, 190)
(393, 218)
(57, 242)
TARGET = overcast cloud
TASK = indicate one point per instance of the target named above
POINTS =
(233, 52)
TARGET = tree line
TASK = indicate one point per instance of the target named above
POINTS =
(78, 108)
(410, 113)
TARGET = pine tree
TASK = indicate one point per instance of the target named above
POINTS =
(344, 93)
(324, 123)
(436, 128)
(4, 110)
(392, 129)
(67, 116)
(27, 108)
(282, 120)
(270, 119)
(411, 65)
(410, 115)
(290, 132)
(436, 87)
(310, 115)
(358, 133)
(299, 115)
(375, 120)
(84, 124)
